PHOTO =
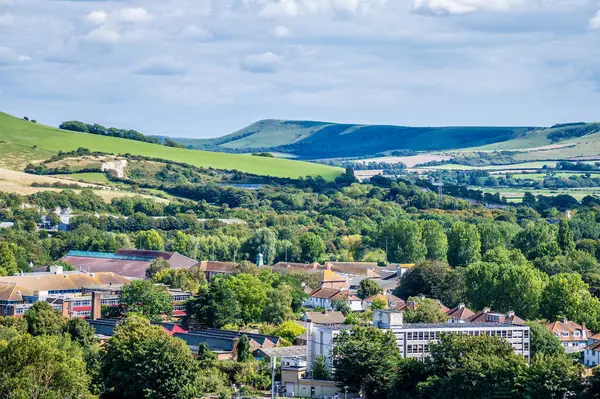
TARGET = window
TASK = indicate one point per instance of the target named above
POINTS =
(564, 334)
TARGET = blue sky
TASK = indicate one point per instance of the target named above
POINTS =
(202, 68)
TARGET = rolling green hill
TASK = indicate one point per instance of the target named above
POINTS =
(313, 140)
(309, 139)
(22, 142)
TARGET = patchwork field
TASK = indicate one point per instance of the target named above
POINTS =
(22, 142)
(21, 183)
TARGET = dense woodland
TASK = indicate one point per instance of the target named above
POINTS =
(532, 258)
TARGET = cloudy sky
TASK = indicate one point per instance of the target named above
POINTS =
(204, 68)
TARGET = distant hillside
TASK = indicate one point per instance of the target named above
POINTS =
(313, 140)
(309, 139)
(22, 142)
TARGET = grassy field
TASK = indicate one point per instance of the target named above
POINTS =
(21, 183)
(515, 194)
(22, 142)
(90, 177)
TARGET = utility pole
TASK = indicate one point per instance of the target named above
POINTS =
(273, 361)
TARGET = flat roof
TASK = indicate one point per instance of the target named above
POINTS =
(285, 351)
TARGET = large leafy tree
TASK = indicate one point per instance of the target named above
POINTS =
(80, 331)
(407, 243)
(43, 320)
(312, 247)
(537, 240)
(143, 361)
(554, 377)
(434, 280)
(567, 295)
(505, 287)
(426, 310)
(8, 262)
(185, 279)
(278, 305)
(368, 288)
(464, 244)
(148, 299)
(156, 266)
(543, 342)
(364, 360)
(243, 349)
(150, 239)
(45, 367)
(214, 306)
(565, 238)
(319, 370)
(435, 240)
(251, 294)
(263, 241)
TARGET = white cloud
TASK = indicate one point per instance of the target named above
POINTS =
(104, 35)
(281, 31)
(442, 7)
(595, 21)
(97, 17)
(8, 56)
(134, 15)
(195, 32)
(294, 8)
(6, 19)
(161, 66)
(261, 63)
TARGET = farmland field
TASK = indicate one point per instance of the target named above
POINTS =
(516, 194)
(22, 142)
(90, 177)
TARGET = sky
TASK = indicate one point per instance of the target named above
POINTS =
(205, 68)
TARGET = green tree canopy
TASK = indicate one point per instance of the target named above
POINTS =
(565, 238)
(150, 239)
(312, 247)
(435, 240)
(214, 306)
(364, 360)
(368, 288)
(407, 244)
(543, 342)
(278, 305)
(426, 310)
(80, 331)
(8, 262)
(505, 287)
(319, 370)
(464, 244)
(44, 367)
(143, 361)
(43, 320)
(263, 241)
(156, 266)
(243, 349)
(145, 298)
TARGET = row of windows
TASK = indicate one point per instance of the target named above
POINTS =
(432, 335)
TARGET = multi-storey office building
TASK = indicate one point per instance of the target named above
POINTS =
(414, 340)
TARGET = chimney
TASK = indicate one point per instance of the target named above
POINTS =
(65, 309)
(510, 313)
(486, 310)
(96, 306)
(461, 305)
(564, 320)
(56, 269)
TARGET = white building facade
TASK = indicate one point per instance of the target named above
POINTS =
(414, 340)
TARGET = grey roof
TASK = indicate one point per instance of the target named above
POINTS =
(285, 351)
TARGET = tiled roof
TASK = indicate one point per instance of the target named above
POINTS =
(567, 326)
(331, 317)
(330, 276)
(325, 293)
(594, 347)
(487, 316)
(460, 312)
(217, 267)
(18, 286)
